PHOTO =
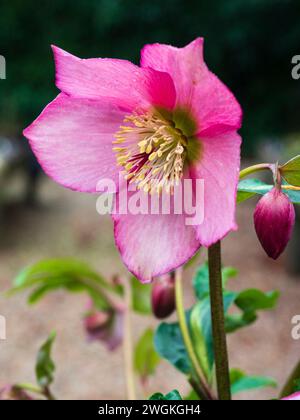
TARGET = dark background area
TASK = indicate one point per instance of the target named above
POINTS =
(249, 45)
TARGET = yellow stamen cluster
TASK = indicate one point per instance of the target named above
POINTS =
(152, 152)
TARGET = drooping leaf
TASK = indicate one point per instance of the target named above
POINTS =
(146, 358)
(72, 275)
(241, 382)
(247, 188)
(291, 171)
(45, 367)
(141, 297)
(171, 396)
(169, 345)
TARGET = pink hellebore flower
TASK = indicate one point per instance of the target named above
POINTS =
(274, 219)
(168, 120)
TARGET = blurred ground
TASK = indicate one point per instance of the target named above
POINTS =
(66, 224)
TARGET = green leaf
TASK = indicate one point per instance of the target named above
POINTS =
(241, 382)
(249, 302)
(171, 396)
(252, 300)
(146, 358)
(45, 367)
(297, 385)
(169, 345)
(201, 279)
(192, 396)
(141, 297)
(249, 187)
(72, 275)
(291, 171)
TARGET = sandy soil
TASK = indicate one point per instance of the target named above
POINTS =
(66, 224)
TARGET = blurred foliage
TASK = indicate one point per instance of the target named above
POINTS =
(248, 44)
(240, 310)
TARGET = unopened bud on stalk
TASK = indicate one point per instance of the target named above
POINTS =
(274, 219)
(163, 296)
(13, 392)
(105, 326)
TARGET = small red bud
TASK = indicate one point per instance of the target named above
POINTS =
(163, 296)
(274, 219)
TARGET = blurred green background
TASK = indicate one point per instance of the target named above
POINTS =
(249, 45)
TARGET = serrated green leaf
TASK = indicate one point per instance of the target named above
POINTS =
(241, 382)
(146, 358)
(169, 345)
(291, 171)
(45, 366)
(171, 396)
(141, 297)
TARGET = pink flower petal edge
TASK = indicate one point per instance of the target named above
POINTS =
(72, 140)
(119, 81)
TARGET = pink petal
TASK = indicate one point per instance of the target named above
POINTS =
(219, 168)
(152, 245)
(293, 397)
(123, 82)
(209, 100)
(72, 139)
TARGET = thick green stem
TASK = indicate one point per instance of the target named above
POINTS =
(218, 322)
(205, 391)
(289, 387)
(255, 168)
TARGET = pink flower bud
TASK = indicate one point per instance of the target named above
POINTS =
(274, 219)
(105, 326)
(163, 296)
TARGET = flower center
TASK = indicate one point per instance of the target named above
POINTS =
(152, 152)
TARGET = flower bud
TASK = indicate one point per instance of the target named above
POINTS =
(105, 326)
(274, 219)
(163, 296)
(13, 392)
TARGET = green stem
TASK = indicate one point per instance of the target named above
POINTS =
(218, 322)
(289, 387)
(127, 344)
(205, 391)
(255, 168)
